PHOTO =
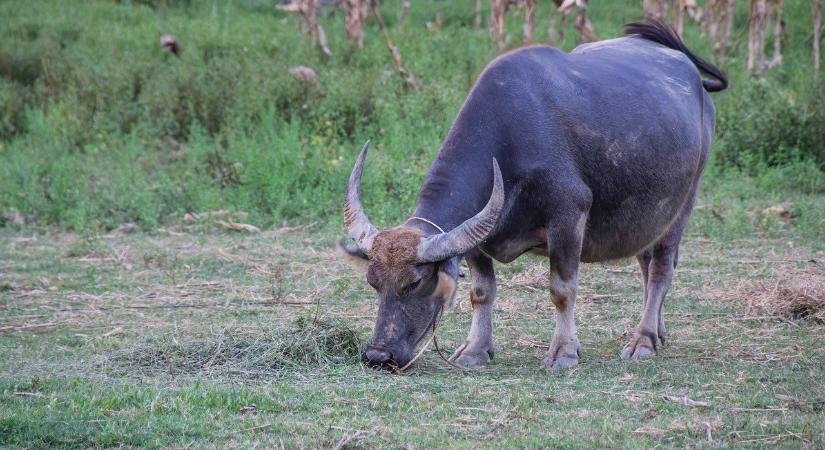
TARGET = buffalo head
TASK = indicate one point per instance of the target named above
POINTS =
(413, 274)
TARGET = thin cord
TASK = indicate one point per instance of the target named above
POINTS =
(429, 222)
(423, 349)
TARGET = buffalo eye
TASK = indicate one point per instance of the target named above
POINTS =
(372, 280)
(411, 287)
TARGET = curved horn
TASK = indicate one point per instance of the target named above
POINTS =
(358, 225)
(470, 233)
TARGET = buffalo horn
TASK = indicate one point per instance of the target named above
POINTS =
(358, 225)
(470, 233)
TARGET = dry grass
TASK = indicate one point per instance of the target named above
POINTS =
(253, 339)
(795, 294)
(252, 351)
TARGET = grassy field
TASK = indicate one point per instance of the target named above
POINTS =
(98, 127)
(125, 320)
(191, 337)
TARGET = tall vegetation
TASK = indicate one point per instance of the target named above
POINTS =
(100, 126)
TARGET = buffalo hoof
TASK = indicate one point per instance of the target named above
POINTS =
(643, 345)
(561, 362)
(563, 356)
(467, 356)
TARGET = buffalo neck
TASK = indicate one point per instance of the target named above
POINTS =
(460, 181)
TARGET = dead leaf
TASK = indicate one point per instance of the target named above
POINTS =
(15, 218)
(781, 211)
(304, 74)
(236, 226)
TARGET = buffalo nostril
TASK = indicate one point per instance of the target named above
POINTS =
(377, 357)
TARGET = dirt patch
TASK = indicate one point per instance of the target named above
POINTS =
(305, 343)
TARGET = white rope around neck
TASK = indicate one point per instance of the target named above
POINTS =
(428, 221)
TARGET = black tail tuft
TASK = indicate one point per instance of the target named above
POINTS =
(656, 31)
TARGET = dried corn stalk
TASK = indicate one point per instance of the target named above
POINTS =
(583, 25)
(655, 9)
(693, 10)
(672, 11)
(817, 31)
(761, 14)
(499, 8)
(718, 23)
(308, 10)
(677, 16)
(357, 12)
(405, 10)
(498, 12)
(778, 26)
(409, 79)
(529, 15)
(757, 23)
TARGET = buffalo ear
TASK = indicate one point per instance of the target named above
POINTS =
(353, 254)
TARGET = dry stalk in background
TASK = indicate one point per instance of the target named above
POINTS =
(357, 13)
(308, 10)
(717, 22)
(409, 79)
(817, 31)
(761, 13)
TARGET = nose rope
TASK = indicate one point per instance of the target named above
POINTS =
(437, 319)
(432, 339)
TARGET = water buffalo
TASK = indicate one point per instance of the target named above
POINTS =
(586, 156)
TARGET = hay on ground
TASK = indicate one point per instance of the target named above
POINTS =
(798, 294)
(305, 343)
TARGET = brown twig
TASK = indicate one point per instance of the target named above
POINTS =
(348, 438)
(260, 427)
(26, 327)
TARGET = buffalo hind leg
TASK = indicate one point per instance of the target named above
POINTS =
(564, 247)
(644, 259)
(657, 264)
(663, 258)
(478, 349)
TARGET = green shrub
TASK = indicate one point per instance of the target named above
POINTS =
(764, 123)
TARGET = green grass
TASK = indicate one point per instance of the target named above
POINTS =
(184, 335)
(98, 127)
(209, 339)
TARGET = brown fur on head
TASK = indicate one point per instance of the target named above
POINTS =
(411, 294)
(394, 255)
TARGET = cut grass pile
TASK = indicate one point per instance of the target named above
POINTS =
(797, 294)
(253, 351)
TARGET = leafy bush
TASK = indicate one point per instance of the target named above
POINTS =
(766, 123)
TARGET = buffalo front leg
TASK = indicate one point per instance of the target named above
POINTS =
(565, 252)
(478, 349)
